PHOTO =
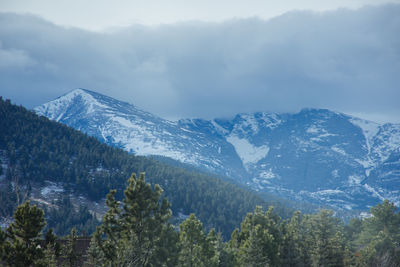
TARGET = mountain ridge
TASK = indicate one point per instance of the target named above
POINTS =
(317, 155)
(47, 162)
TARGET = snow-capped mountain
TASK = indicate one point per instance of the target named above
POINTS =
(316, 155)
(125, 126)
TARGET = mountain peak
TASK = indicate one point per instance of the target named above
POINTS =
(316, 154)
(77, 91)
(85, 99)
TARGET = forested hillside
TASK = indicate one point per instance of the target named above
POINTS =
(137, 232)
(35, 150)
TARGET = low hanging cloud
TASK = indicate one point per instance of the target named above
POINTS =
(346, 60)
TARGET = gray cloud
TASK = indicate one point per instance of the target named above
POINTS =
(105, 14)
(343, 60)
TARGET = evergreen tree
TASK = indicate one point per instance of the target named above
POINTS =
(130, 235)
(70, 255)
(259, 239)
(49, 258)
(255, 249)
(213, 248)
(192, 242)
(384, 218)
(294, 250)
(143, 218)
(111, 229)
(21, 241)
(327, 244)
(380, 237)
(229, 255)
(166, 248)
(380, 251)
(94, 255)
(3, 244)
(52, 250)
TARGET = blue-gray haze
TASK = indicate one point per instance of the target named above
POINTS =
(346, 60)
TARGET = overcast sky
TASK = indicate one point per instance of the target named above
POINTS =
(103, 14)
(207, 58)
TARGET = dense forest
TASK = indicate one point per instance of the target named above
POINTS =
(136, 232)
(34, 149)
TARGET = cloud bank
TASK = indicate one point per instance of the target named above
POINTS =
(346, 60)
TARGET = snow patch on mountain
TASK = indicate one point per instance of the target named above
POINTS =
(355, 179)
(367, 163)
(271, 120)
(318, 133)
(246, 151)
(373, 191)
(248, 120)
(392, 136)
(51, 188)
(328, 192)
(218, 128)
(313, 129)
(339, 150)
(124, 122)
(267, 174)
(369, 129)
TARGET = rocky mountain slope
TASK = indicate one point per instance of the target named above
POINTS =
(69, 173)
(316, 155)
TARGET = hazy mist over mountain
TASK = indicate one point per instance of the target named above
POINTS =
(341, 59)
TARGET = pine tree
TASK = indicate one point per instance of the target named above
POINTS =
(259, 239)
(94, 254)
(70, 255)
(3, 244)
(52, 249)
(111, 229)
(143, 218)
(213, 248)
(327, 244)
(229, 255)
(21, 241)
(255, 249)
(293, 251)
(384, 218)
(49, 258)
(380, 237)
(166, 248)
(191, 240)
(132, 231)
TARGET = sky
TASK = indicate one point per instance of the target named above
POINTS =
(104, 14)
(206, 59)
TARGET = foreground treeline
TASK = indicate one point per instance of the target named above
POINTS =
(34, 149)
(137, 232)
